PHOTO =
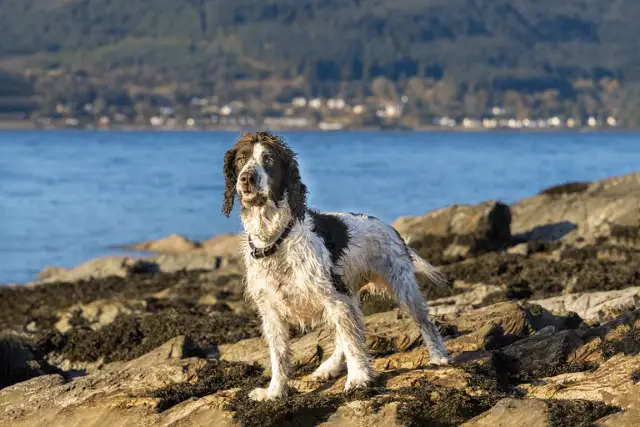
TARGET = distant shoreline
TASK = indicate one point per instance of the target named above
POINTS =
(18, 125)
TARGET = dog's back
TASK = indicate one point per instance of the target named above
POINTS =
(373, 251)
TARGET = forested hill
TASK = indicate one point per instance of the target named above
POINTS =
(322, 47)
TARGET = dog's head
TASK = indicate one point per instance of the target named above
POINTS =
(260, 168)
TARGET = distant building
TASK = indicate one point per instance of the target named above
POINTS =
(390, 111)
(330, 125)
(489, 123)
(359, 109)
(445, 122)
(287, 122)
(336, 103)
(471, 123)
(554, 121)
(315, 103)
(299, 102)
(156, 121)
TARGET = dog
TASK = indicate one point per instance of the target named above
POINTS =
(305, 267)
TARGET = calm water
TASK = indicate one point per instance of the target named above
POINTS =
(66, 196)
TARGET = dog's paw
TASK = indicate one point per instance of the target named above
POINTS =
(262, 394)
(440, 359)
(326, 373)
(358, 382)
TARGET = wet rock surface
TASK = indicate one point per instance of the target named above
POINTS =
(543, 328)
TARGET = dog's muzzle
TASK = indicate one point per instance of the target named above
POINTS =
(248, 182)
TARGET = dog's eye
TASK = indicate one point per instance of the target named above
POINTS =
(240, 161)
(268, 160)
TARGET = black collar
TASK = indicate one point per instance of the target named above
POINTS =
(258, 253)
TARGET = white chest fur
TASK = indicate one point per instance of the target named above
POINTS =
(293, 279)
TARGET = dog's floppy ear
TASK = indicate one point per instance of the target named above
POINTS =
(296, 190)
(229, 182)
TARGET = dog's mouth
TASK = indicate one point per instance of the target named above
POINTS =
(252, 199)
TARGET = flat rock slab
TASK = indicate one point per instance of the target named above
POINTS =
(592, 305)
(514, 413)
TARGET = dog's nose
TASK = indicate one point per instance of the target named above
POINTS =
(247, 179)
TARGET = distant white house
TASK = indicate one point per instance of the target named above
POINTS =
(315, 103)
(330, 125)
(156, 121)
(299, 102)
(336, 103)
(359, 109)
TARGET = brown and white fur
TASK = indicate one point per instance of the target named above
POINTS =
(317, 271)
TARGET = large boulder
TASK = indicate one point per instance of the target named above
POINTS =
(172, 243)
(224, 245)
(582, 211)
(458, 231)
(19, 362)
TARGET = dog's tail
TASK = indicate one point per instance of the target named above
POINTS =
(421, 266)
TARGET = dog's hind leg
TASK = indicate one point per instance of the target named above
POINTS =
(403, 281)
(333, 366)
(345, 314)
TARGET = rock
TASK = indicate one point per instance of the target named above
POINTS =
(543, 349)
(470, 297)
(521, 249)
(385, 332)
(490, 327)
(628, 418)
(119, 266)
(115, 395)
(513, 413)
(611, 383)
(540, 413)
(124, 266)
(514, 319)
(51, 272)
(177, 348)
(223, 245)
(591, 210)
(458, 231)
(95, 314)
(363, 414)
(18, 362)
(201, 260)
(593, 305)
(170, 244)
(539, 276)
(167, 387)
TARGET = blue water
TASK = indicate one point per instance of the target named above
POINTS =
(66, 196)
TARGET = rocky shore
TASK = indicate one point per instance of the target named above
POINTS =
(542, 315)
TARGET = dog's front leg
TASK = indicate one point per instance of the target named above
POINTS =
(276, 334)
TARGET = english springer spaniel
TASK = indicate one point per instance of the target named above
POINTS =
(304, 266)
